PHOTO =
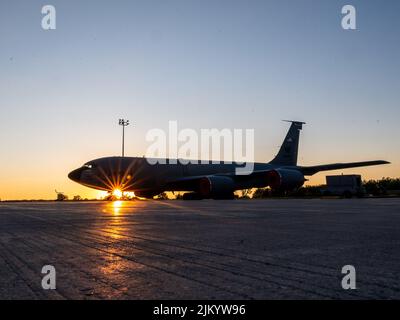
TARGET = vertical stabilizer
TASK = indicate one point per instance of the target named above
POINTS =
(287, 155)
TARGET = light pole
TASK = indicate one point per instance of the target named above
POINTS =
(123, 123)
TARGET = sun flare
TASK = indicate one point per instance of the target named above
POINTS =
(117, 193)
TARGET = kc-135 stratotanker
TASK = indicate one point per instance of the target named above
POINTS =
(203, 180)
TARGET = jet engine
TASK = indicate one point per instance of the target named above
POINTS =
(285, 179)
(216, 186)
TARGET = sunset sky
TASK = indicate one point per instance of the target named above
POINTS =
(207, 64)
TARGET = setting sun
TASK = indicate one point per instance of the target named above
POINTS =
(117, 193)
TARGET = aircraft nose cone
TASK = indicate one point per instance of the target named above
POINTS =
(75, 175)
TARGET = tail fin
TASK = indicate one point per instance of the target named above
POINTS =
(287, 154)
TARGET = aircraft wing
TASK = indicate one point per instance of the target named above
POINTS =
(258, 178)
(309, 171)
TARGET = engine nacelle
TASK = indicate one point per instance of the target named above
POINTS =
(285, 179)
(215, 186)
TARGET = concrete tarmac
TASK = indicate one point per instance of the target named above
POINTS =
(241, 249)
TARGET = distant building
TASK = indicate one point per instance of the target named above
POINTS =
(344, 185)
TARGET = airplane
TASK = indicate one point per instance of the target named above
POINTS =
(203, 180)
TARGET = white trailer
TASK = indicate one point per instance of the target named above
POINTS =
(344, 185)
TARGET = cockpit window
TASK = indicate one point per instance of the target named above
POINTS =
(89, 165)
